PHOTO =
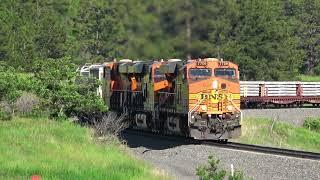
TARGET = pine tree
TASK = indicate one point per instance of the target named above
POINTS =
(99, 31)
(309, 33)
(31, 29)
(263, 44)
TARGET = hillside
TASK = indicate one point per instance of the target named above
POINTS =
(282, 135)
(276, 40)
(62, 150)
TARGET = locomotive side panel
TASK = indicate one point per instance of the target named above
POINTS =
(173, 102)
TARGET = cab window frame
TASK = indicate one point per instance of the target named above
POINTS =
(233, 76)
(199, 76)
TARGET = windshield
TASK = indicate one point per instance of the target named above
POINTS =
(85, 73)
(94, 73)
(200, 72)
(158, 76)
(229, 72)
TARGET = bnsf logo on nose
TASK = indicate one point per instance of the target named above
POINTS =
(211, 96)
(215, 96)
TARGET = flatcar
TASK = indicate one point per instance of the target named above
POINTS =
(265, 94)
(196, 98)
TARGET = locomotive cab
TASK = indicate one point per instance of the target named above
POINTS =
(214, 99)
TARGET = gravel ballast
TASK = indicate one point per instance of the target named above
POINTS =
(181, 160)
(295, 116)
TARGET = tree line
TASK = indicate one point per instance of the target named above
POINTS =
(270, 40)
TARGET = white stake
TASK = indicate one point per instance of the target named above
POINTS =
(232, 170)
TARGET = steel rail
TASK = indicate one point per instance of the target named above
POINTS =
(266, 150)
(230, 145)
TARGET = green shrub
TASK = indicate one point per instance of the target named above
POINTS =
(51, 88)
(58, 84)
(238, 175)
(312, 124)
(5, 111)
(5, 116)
(12, 85)
(317, 70)
(212, 171)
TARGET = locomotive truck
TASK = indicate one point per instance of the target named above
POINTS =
(196, 98)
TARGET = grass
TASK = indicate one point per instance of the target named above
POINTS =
(283, 135)
(308, 78)
(62, 150)
(312, 124)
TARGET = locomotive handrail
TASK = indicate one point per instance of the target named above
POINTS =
(234, 105)
(167, 93)
(238, 109)
(193, 109)
(127, 91)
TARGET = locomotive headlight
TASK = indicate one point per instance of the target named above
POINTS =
(204, 108)
(230, 108)
(215, 84)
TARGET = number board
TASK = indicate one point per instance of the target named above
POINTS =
(223, 63)
(201, 63)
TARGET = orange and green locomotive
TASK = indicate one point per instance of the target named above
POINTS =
(197, 98)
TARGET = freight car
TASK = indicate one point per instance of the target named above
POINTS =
(196, 98)
(94, 70)
(263, 94)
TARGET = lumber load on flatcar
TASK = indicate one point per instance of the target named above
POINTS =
(279, 93)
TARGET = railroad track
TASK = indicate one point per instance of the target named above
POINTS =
(230, 145)
(266, 150)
